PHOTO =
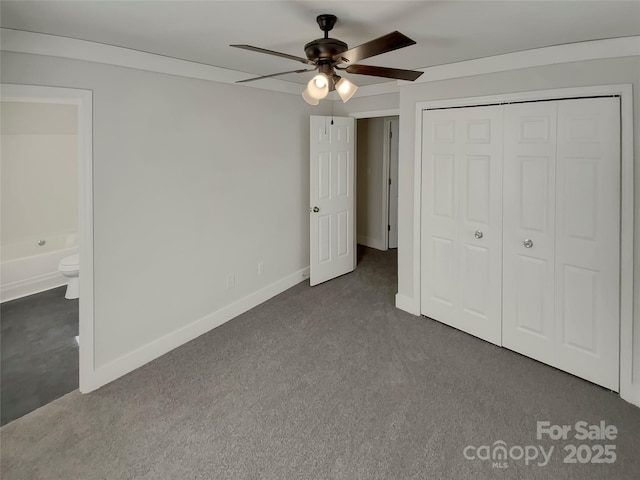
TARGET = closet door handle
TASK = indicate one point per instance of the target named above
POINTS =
(479, 234)
(527, 243)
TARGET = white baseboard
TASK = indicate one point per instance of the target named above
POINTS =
(407, 304)
(31, 286)
(143, 355)
(371, 242)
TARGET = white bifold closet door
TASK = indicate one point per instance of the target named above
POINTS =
(461, 241)
(520, 232)
(529, 228)
(561, 235)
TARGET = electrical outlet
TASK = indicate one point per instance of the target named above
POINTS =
(231, 281)
(260, 267)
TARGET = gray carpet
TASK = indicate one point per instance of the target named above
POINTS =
(39, 351)
(330, 382)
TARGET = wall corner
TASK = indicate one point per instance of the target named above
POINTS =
(408, 304)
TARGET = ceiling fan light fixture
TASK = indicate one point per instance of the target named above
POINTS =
(345, 89)
(318, 86)
(309, 99)
(319, 81)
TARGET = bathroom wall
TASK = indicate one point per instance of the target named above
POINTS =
(39, 171)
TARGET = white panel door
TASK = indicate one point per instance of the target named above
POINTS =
(332, 185)
(529, 174)
(561, 235)
(587, 273)
(462, 219)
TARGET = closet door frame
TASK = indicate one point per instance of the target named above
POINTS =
(629, 390)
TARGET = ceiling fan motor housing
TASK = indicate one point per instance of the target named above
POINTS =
(324, 49)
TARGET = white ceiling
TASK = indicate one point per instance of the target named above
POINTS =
(445, 31)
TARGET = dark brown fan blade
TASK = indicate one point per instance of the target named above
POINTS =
(398, 73)
(275, 75)
(387, 43)
(271, 52)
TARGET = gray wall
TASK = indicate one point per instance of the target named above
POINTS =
(193, 181)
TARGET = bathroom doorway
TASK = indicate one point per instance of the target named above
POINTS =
(47, 216)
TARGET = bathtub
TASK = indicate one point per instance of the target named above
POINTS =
(27, 268)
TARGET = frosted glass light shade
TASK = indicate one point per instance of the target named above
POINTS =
(309, 99)
(318, 86)
(345, 89)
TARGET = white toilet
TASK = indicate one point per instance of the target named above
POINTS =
(70, 268)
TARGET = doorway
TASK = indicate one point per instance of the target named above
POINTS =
(77, 103)
(39, 229)
(339, 187)
(377, 185)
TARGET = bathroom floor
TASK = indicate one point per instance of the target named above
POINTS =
(39, 351)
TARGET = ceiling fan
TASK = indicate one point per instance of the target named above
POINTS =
(329, 54)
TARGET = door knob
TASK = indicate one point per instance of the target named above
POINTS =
(315, 209)
(527, 243)
(479, 234)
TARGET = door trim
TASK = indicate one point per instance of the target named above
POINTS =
(392, 158)
(629, 390)
(376, 113)
(83, 99)
(386, 161)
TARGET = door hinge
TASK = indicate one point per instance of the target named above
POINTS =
(389, 181)
(390, 134)
(389, 227)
